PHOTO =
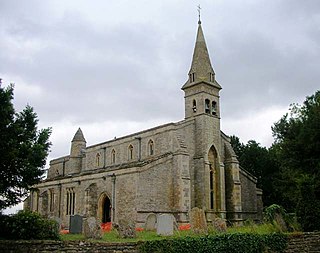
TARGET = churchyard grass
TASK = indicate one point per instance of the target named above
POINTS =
(113, 236)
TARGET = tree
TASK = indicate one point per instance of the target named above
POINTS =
(23, 150)
(297, 145)
(261, 163)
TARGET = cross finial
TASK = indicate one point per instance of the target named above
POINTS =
(199, 11)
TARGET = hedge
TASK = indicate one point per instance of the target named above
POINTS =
(228, 243)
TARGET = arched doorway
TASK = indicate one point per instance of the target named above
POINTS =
(106, 210)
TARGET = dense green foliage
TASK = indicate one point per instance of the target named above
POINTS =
(260, 162)
(289, 171)
(23, 150)
(26, 225)
(308, 208)
(237, 242)
(297, 146)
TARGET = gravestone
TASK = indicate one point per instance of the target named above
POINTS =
(126, 228)
(198, 221)
(151, 222)
(75, 225)
(219, 225)
(165, 224)
(58, 220)
(91, 228)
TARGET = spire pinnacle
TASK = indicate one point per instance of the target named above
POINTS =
(79, 136)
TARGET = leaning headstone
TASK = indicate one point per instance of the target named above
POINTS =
(198, 221)
(165, 224)
(91, 228)
(219, 225)
(75, 225)
(151, 222)
(126, 228)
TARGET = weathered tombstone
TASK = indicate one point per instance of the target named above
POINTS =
(151, 222)
(91, 228)
(278, 218)
(165, 224)
(75, 225)
(58, 220)
(126, 228)
(198, 221)
(219, 225)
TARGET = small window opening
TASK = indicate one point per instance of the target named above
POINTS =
(207, 106)
(191, 76)
(211, 77)
(130, 152)
(113, 156)
(194, 107)
(98, 160)
(214, 108)
(151, 147)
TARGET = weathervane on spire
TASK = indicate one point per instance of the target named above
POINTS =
(199, 11)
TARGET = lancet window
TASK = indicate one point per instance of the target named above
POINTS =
(71, 200)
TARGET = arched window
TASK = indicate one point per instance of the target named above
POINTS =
(98, 160)
(192, 77)
(113, 156)
(150, 147)
(211, 77)
(194, 105)
(214, 179)
(214, 108)
(130, 152)
(207, 106)
(71, 199)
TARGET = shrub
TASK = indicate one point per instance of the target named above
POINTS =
(27, 225)
(280, 219)
(231, 243)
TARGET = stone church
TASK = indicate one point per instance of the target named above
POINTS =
(167, 169)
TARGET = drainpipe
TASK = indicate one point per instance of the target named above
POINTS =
(139, 147)
(113, 180)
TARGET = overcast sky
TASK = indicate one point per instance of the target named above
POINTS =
(117, 67)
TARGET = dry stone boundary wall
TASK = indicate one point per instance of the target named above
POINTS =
(298, 243)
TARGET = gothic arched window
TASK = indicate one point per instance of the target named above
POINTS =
(113, 156)
(207, 106)
(97, 160)
(130, 152)
(214, 108)
(151, 147)
(194, 105)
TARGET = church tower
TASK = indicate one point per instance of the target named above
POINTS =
(203, 106)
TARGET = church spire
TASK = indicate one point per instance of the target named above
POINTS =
(201, 69)
(79, 136)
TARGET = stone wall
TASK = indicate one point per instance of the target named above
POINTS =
(66, 246)
(306, 243)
